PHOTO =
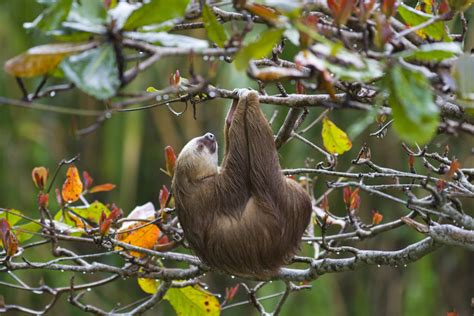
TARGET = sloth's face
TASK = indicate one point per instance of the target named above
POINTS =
(199, 156)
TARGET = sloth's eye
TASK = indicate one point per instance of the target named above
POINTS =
(200, 147)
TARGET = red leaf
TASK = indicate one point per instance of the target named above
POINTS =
(376, 217)
(411, 161)
(9, 240)
(230, 292)
(325, 203)
(58, 197)
(341, 10)
(102, 188)
(87, 179)
(164, 194)
(389, 7)
(105, 222)
(440, 185)
(299, 87)
(43, 200)
(346, 196)
(40, 177)
(175, 78)
(355, 199)
(170, 158)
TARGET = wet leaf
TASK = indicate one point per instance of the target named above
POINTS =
(72, 187)
(52, 17)
(259, 48)
(102, 188)
(335, 140)
(94, 71)
(156, 11)
(415, 114)
(193, 301)
(433, 52)
(414, 17)
(215, 30)
(43, 59)
(168, 40)
(268, 14)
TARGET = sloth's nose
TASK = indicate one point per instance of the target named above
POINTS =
(210, 136)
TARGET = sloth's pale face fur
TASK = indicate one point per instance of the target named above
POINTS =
(198, 159)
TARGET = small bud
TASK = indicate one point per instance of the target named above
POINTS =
(170, 158)
(43, 200)
(40, 177)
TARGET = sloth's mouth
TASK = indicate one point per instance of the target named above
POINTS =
(230, 114)
(210, 144)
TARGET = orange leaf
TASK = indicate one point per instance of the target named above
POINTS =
(266, 13)
(376, 217)
(455, 165)
(145, 237)
(102, 187)
(72, 187)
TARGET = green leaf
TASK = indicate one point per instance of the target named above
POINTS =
(94, 71)
(156, 11)
(335, 140)
(215, 30)
(258, 49)
(91, 214)
(21, 231)
(10, 216)
(168, 40)
(193, 301)
(433, 52)
(414, 17)
(463, 74)
(52, 17)
(416, 116)
(90, 12)
(346, 65)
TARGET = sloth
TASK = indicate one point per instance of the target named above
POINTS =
(244, 218)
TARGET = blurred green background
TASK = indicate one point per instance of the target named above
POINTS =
(128, 151)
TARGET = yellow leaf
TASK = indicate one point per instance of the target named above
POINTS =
(193, 301)
(149, 286)
(335, 140)
(72, 187)
(41, 60)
